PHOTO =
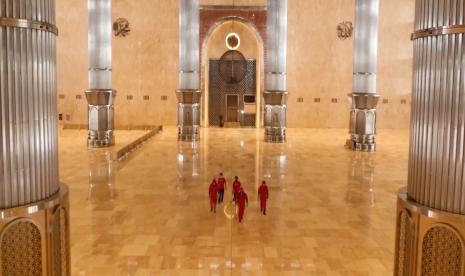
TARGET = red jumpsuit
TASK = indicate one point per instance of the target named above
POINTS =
(236, 187)
(213, 192)
(263, 195)
(221, 187)
(241, 200)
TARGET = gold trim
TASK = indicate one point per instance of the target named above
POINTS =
(28, 24)
(36, 207)
(437, 31)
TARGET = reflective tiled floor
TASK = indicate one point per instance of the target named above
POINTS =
(331, 211)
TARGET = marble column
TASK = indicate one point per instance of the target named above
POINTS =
(34, 228)
(275, 94)
(189, 93)
(364, 99)
(431, 211)
(100, 95)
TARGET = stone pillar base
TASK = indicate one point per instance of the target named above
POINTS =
(188, 134)
(362, 126)
(428, 241)
(361, 143)
(100, 139)
(275, 135)
(188, 114)
(275, 116)
(34, 239)
(101, 117)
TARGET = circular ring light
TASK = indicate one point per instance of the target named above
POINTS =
(233, 41)
(229, 210)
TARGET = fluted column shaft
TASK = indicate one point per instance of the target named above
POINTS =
(189, 93)
(100, 95)
(437, 165)
(364, 99)
(431, 212)
(34, 207)
(28, 113)
(275, 94)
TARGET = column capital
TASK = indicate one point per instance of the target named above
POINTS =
(364, 100)
(100, 96)
(275, 97)
(189, 96)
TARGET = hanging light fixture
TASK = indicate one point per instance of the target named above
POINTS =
(233, 65)
(233, 40)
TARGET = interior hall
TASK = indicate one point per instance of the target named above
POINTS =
(232, 137)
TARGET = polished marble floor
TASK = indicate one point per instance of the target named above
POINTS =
(331, 211)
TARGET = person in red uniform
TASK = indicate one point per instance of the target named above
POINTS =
(213, 193)
(263, 196)
(236, 187)
(242, 200)
(221, 187)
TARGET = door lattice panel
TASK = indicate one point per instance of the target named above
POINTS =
(218, 89)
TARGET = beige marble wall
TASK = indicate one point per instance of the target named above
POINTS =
(319, 64)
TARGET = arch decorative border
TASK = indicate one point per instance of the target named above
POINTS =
(210, 17)
(253, 17)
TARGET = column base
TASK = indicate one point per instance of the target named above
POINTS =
(362, 125)
(275, 116)
(35, 238)
(275, 135)
(428, 241)
(101, 139)
(101, 117)
(189, 134)
(188, 114)
(364, 143)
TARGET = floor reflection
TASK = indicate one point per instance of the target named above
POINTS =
(330, 209)
(102, 180)
(188, 162)
(361, 188)
(274, 165)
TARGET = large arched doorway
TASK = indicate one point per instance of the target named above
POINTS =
(237, 104)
